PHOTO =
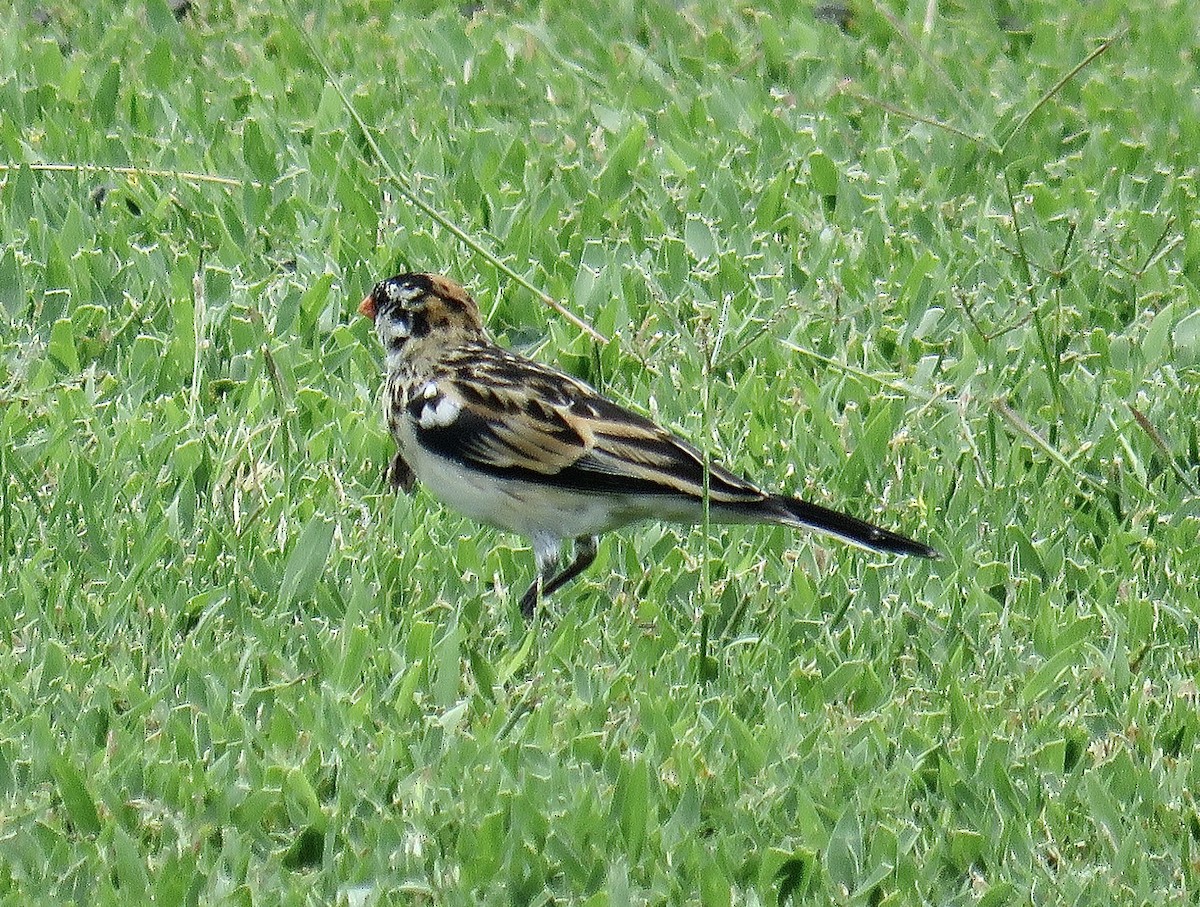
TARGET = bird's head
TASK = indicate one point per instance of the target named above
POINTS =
(412, 310)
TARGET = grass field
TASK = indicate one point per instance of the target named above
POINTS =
(935, 265)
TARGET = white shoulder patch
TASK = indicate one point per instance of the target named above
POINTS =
(439, 409)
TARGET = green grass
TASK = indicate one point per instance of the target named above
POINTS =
(234, 669)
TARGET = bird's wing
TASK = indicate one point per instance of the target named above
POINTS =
(514, 418)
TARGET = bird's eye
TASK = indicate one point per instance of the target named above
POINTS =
(401, 324)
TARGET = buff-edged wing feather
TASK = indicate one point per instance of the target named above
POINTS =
(514, 418)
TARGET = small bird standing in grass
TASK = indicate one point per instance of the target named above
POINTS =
(524, 447)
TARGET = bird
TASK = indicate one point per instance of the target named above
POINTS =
(527, 448)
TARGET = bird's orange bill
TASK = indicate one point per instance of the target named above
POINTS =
(366, 308)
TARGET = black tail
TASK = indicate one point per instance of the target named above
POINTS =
(847, 528)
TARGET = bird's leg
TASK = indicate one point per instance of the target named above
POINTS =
(399, 475)
(545, 551)
(585, 553)
(548, 582)
(530, 599)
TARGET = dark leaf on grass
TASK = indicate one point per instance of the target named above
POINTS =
(258, 157)
(307, 851)
(77, 800)
(306, 561)
(839, 14)
(104, 103)
(12, 287)
(1074, 747)
(793, 877)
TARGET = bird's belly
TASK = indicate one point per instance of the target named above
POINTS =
(526, 508)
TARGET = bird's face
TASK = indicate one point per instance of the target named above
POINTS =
(416, 311)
